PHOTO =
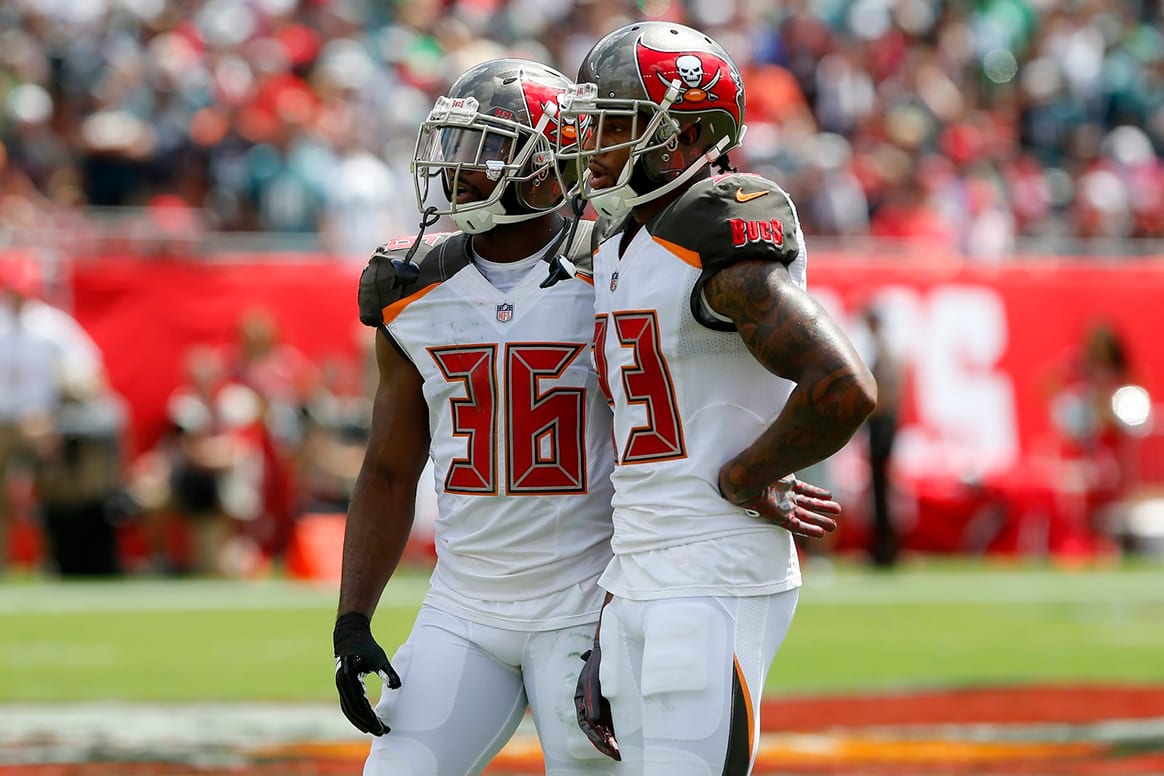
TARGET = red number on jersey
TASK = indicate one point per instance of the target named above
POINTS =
(597, 348)
(648, 382)
(474, 416)
(545, 435)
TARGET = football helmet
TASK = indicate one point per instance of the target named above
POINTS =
(499, 118)
(678, 100)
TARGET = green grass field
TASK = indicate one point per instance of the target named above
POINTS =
(925, 625)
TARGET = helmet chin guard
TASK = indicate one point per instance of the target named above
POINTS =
(612, 202)
(475, 220)
(617, 201)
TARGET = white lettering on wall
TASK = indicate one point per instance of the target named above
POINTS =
(961, 418)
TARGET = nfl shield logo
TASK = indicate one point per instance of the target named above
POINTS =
(504, 312)
(614, 281)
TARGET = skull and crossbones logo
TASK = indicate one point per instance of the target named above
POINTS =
(691, 71)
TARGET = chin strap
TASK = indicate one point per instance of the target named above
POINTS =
(407, 272)
(617, 201)
(560, 266)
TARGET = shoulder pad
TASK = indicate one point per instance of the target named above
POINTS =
(605, 228)
(438, 257)
(732, 218)
(581, 250)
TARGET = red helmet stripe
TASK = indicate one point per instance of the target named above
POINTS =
(536, 97)
(706, 81)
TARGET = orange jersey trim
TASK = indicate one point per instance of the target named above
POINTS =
(585, 278)
(686, 255)
(747, 699)
(393, 310)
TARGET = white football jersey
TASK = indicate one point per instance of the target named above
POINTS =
(520, 445)
(688, 397)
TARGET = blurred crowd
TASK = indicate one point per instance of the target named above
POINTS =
(255, 436)
(967, 125)
(973, 127)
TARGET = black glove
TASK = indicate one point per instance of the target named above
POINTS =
(356, 655)
(592, 709)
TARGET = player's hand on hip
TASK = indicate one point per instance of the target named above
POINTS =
(592, 709)
(356, 655)
(799, 507)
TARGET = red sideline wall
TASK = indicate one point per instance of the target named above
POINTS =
(984, 344)
(146, 314)
(980, 341)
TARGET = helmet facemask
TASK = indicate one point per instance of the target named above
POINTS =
(658, 161)
(456, 138)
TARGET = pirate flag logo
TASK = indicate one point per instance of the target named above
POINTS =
(537, 97)
(705, 80)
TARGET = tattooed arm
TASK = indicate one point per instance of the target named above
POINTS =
(793, 337)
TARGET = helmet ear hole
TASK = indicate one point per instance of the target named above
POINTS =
(665, 163)
(540, 192)
(540, 195)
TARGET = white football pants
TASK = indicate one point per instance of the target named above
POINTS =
(464, 688)
(684, 677)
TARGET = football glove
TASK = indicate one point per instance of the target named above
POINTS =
(593, 711)
(356, 655)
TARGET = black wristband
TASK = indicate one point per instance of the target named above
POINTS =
(353, 626)
(353, 619)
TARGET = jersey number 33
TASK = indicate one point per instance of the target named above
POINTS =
(646, 381)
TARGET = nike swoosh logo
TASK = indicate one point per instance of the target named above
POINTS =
(742, 197)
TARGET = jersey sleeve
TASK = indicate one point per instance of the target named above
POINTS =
(725, 220)
(579, 250)
(732, 218)
(386, 280)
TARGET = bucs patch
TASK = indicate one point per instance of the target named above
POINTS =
(505, 312)
(744, 232)
(705, 80)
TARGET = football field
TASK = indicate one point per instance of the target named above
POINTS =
(118, 671)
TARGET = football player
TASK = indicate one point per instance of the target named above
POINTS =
(725, 377)
(488, 375)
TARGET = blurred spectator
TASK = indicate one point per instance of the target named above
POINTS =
(296, 116)
(1089, 410)
(226, 467)
(359, 204)
(881, 427)
(80, 480)
(336, 426)
(275, 370)
(44, 353)
(282, 379)
(840, 205)
(206, 471)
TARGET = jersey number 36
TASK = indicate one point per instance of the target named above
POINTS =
(544, 430)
